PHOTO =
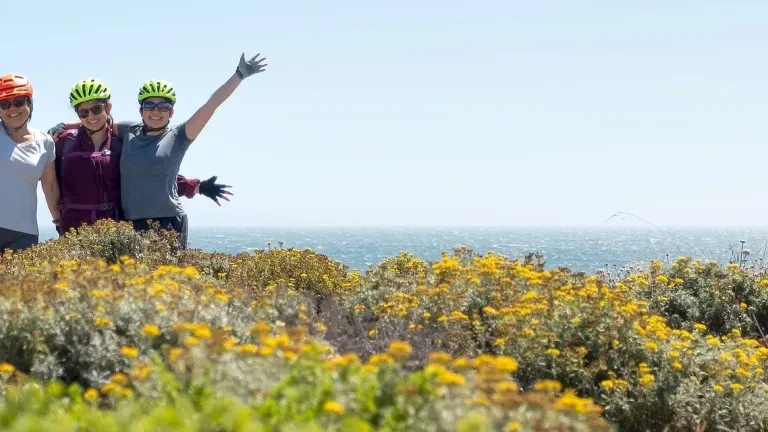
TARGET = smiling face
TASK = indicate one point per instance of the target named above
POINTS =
(156, 112)
(15, 112)
(94, 114)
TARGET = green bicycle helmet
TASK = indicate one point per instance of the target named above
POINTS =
(88, 90)
(157, 88)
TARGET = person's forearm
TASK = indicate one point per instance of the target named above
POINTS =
(200, 118)
(51, 193)
(224, 91)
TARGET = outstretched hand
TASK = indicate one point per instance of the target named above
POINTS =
(250, 67)
(214, 190)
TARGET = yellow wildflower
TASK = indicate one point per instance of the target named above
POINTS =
(399, 350)
(110, 387)
(247, 349)
(174, 354)
(141, 372)
(506, 364)
(607, 384)
(202, 332)
(450, 378)
(191, 272)
(129, 351)
(102, 322)
(333, 407)
(91, 394)
(151, 330)
(260, 327)
(549, 386)
(119, 378)
(647, 380)
(461, 363)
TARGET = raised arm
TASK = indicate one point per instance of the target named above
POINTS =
(200, 118)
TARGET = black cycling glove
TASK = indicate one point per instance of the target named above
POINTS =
(214, 190)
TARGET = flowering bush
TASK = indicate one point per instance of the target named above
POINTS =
(690, 292)
(109, 328)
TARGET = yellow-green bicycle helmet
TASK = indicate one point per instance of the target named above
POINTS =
(157, 88)
(88, 90)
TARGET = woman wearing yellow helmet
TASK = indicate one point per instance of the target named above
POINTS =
(88, 161)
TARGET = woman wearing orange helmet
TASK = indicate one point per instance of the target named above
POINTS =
(26, 158)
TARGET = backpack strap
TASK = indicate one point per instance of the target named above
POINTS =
(63, 145)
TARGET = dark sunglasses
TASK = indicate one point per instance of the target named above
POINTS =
(96, 110)
(150, 106)
(17, 102)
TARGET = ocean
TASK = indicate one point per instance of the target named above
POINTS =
(586, 249)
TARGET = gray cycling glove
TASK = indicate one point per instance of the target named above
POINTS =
(250, 67)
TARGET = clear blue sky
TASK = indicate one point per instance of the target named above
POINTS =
(436, 112)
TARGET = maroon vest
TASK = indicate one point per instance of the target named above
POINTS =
(89, 180)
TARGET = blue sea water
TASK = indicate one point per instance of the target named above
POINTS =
(585, 249)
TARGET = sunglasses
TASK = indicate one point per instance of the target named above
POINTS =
(96, 110)
(16, 102)
(162, 106)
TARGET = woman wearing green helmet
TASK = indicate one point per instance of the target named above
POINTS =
(154, 151)
(88, 161)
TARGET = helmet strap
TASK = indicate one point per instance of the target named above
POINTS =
(146, 129)
(91, 132)
(10, 131)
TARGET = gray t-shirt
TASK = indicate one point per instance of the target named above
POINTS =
(148, 169)
(21, 167)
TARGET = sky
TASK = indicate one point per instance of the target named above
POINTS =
(436, 113)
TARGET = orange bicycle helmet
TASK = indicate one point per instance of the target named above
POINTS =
(13, 85)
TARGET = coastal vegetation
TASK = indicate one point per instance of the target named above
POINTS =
(111, 330)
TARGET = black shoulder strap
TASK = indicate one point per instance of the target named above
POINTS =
(69, 141)
(62, 148)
